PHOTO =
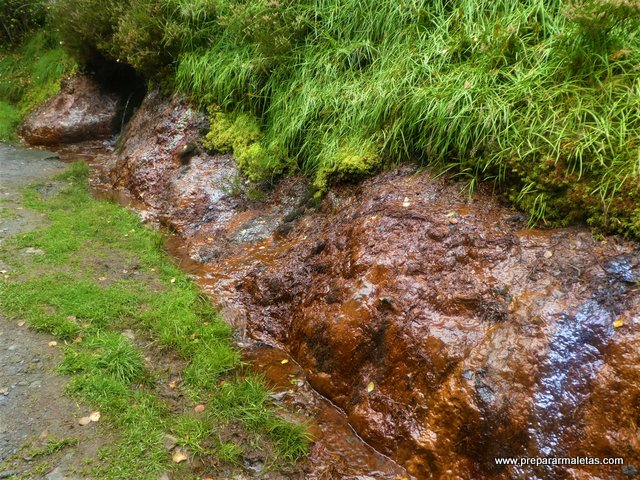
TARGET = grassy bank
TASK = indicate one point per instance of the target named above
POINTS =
(98, 280)
(540, 96)
(30, 73)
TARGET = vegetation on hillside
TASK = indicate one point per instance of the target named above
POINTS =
(19, 17)
(540, 96)
(101, 283)
(30, 72)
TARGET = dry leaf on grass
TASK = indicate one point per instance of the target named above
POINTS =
(179, 456)
(199, 408)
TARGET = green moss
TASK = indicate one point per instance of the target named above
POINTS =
(229, 131)
(353, 161)
(258, 162)
(240, 133)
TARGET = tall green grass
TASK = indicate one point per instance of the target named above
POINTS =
(540, 96)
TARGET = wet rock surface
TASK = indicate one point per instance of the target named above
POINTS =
(448, 332)
(82, 110)
(204, 200)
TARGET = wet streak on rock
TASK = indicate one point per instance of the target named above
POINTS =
(480, 338)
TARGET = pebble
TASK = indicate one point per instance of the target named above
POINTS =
(169, 442)
(59, 474)
(9, 473)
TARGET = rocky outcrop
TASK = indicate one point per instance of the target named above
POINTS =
(448, 332)
(81, 111)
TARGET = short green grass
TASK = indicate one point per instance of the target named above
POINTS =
(70, 293)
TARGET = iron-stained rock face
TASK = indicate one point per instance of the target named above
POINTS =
(80, 111)
(448, 332)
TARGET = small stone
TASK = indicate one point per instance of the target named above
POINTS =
(84, 421)
(548, 254)
(169, 442)
(453, 220)
(59, 474)
(53, 343)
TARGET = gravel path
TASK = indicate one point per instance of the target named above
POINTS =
(33, 409)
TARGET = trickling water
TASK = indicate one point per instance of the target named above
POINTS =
(573, 361)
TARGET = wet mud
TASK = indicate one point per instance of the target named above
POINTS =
(447, 332)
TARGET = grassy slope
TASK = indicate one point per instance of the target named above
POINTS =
(545, 104)
(540, 96)
(62, 292)
(29, 74)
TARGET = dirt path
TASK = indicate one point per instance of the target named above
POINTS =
(39, 433)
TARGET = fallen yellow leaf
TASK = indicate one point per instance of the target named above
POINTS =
(173, 280)
(285, 361)
(53, 343)
(618, 323)
(84, 421)
(179, 456)
(371, 387)
(94, 417)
